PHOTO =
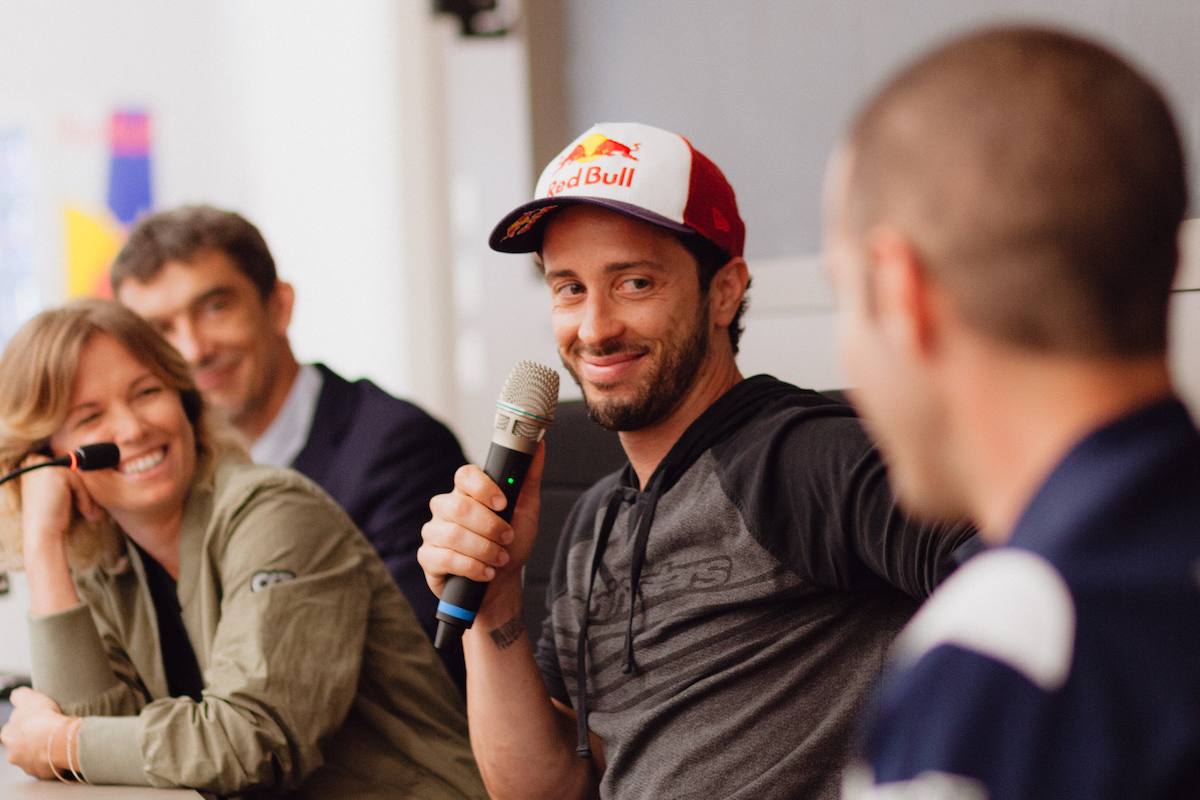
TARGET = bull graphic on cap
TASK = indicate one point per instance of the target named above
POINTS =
(596, 146)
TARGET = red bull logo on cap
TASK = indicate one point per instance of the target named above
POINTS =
(592, 147)
(596, 146)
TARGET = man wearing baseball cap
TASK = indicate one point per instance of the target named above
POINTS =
(720, 606)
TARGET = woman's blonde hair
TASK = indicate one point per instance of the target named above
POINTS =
(37, 377)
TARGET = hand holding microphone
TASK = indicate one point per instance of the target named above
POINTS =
(102, 455)
(46, 502)
(468, 535)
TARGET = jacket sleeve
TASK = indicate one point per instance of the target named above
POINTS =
(283, 666)
(815, 492)
(943, 728)
(417, 461)
(82, 669)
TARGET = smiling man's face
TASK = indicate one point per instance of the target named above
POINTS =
(629, 317)
(232, 337)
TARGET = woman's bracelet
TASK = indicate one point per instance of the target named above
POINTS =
(75, 764)
(50, 747)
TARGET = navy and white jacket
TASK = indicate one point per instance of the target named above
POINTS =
(1065, 664)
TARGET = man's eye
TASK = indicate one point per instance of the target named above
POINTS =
(569, 290)
(215, 305)
(637, 284)
(148, 391)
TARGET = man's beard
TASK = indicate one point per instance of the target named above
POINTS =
(661, 392)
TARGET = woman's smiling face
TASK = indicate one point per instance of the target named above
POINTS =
(117, 398)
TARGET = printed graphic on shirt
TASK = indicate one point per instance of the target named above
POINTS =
(269, 577)
(672, 579)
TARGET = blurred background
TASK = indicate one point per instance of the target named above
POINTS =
(376, 143)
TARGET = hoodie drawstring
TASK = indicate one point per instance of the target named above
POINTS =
(649, 503)
(620, 496)
(635, 569)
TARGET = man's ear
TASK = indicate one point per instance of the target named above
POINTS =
(900, 291)
(279, 307)
(726, 291)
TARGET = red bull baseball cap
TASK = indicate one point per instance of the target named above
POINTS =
(637, 170)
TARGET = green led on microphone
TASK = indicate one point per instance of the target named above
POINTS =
(511, 481)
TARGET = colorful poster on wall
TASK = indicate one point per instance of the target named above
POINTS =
(20, 297)
(93, 239)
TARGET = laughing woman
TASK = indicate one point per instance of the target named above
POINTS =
(197, 620)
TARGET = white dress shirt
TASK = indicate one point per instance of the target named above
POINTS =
(284, 438)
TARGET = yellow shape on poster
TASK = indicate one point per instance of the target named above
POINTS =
(92, 243)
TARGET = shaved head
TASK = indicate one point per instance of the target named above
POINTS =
(1040, 178)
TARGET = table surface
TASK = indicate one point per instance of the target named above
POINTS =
(16, 785)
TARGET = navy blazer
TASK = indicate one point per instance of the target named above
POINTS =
(382, 458)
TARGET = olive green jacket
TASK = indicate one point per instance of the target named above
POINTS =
(317, 678)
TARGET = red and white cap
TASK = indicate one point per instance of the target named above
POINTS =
(637, 170)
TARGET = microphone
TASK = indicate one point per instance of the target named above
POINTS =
(524, 410)
(103, 455)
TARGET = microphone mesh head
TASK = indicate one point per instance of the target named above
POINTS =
(527, 402)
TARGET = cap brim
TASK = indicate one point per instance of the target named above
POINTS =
(521, 229)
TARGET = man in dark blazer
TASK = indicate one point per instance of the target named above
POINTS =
(207, 281)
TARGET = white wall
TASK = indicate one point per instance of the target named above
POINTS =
(501, 304)
(790, 327)
(312, 96)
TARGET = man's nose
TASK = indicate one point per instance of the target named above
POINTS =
(189, 341)
(600, 322)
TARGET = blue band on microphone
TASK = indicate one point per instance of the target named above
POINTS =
(455, 611)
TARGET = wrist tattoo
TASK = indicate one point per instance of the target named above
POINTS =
(508, 633)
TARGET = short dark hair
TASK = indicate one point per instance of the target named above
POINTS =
(1042, 180)
(709, 259)
(182, 233)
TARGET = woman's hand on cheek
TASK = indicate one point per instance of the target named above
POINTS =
(47, 496)
(27, 737)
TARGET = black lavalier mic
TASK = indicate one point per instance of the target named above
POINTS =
(524, 410)
(88, 457)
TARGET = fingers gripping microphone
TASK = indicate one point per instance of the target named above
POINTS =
(524, 410)
(88, 457)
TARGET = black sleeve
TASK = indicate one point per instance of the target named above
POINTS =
(911, 555)
(814, 492)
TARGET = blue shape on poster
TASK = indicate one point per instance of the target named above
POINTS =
(129, 165)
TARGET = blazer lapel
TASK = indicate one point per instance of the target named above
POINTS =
(335, 409)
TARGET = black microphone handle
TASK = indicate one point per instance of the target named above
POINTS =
(461, 597)
(103, 455)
